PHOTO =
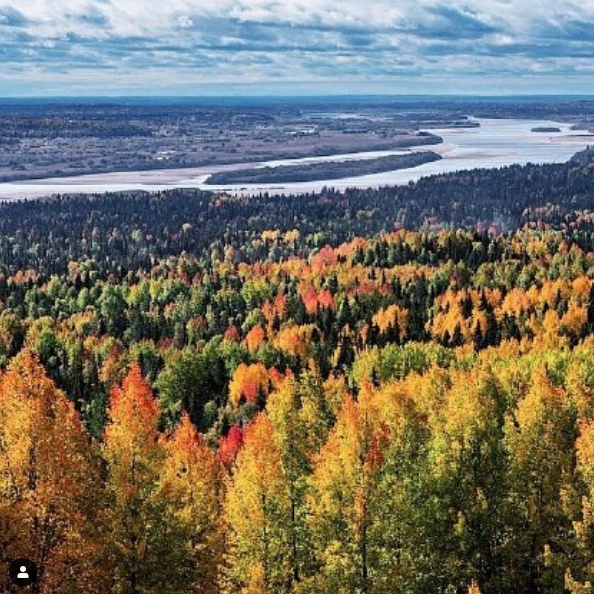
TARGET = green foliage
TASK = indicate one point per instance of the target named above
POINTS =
(411, 412)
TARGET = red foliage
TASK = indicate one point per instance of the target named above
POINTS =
(325, 299)
(324, 258)
(230, 445)
(313, 300)
(375, 453)
(232, 334)
(310, 301)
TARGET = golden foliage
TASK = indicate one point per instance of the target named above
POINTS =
(248, 383)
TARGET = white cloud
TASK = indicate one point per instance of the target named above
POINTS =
(312, 40)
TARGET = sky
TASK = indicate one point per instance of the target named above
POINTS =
(295, 47)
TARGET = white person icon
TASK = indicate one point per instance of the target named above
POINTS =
(23, 572)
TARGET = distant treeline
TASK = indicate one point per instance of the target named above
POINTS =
(546, 129)
(129, 230)
(324, 170)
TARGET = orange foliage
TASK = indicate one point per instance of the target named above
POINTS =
(574, 319)
(112, 369)
(389, 317)
(48, 482)
(191, 480)
(248, 382)
(134, 414)
(255, 338)
(325, 258)
(294, 340)
(326, 300)
(315, 300)
(516, 303)
(276, 308)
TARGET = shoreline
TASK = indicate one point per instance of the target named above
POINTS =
(495, 143)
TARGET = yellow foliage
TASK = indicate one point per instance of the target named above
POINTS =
(294, 340)
(389, 317)
(257, 512)
(574, 319)
(48, 482)
(248, 382)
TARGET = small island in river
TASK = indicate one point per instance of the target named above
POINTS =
(546, 129)
(321, 171)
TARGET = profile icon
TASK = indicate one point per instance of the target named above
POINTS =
(23, 572)
(23, 575)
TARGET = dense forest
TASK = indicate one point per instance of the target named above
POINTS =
(123, 233)
(374, 392)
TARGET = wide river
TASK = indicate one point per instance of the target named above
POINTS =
(494, 144)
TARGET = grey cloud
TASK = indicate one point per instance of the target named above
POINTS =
(454, 23)
(11, 17)
(259, 40)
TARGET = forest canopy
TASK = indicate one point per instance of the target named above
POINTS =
(370, 392)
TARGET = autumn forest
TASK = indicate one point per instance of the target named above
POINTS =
(379, 392)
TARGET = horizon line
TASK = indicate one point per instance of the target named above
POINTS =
(272, 95)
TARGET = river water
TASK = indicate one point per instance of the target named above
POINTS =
(495, 143)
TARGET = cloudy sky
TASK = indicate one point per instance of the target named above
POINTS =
(194, 47)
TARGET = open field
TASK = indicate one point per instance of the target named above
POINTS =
(40, 141)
